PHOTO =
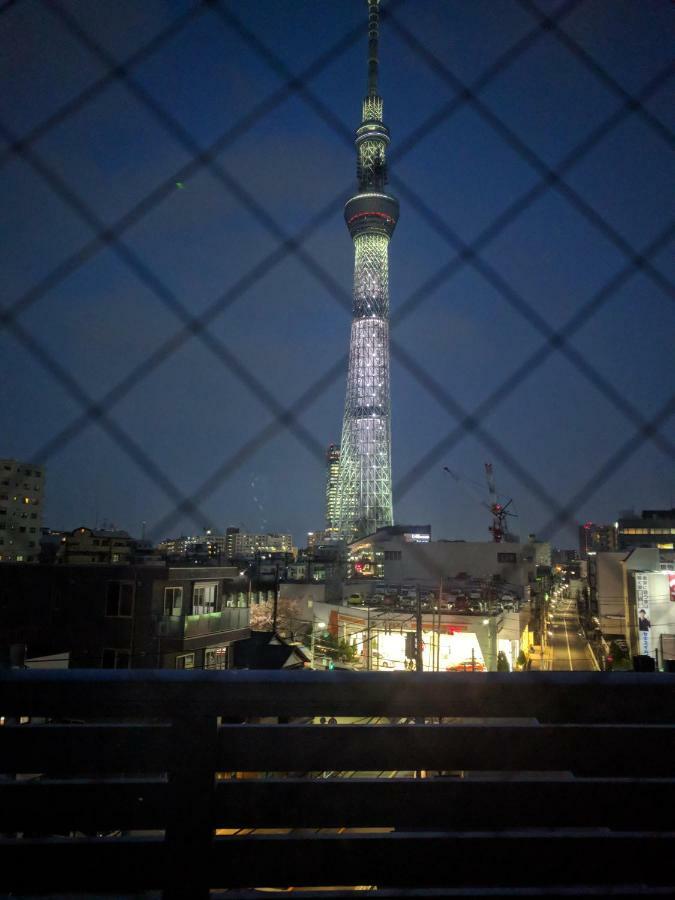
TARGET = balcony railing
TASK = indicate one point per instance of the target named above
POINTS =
(184, 627)
(568, 781)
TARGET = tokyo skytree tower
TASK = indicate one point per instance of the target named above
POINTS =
(364, 485)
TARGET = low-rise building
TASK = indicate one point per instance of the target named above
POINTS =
(125, 616)
(92, 546)
(622, 584)
(402, 554)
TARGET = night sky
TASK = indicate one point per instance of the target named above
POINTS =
(103, 309)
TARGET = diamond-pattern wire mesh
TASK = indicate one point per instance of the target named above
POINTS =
(288, 417)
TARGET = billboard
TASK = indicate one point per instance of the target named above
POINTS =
(642, 607)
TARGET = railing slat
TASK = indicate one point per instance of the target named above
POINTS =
(548, 696)
(516, 858)
(85, 749)
(440, 859)
(89, 865)
(45, 807)
(585, 750)
(446, 803)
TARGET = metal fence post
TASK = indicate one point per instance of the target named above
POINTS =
(190, 822)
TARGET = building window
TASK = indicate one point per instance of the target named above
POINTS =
(119, 599)
(204, 598)
(173, 601)
(185, 661)
(216, 658)
(506, 558)
(392, 554)
(115, 659)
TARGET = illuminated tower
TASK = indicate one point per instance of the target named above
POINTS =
(364, 485)
(333, 462)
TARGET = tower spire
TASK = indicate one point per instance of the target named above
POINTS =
(373, 37)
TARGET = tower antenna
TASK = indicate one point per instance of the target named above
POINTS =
(373, 39)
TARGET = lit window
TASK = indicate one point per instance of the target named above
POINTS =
(204, 598)
(173, 601)
(216, 658)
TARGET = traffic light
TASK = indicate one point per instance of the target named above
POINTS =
(331, 665)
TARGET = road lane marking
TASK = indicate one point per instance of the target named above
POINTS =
(567, 638)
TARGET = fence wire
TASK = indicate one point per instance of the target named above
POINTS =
(287, 244)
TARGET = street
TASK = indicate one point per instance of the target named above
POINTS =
(568, 649)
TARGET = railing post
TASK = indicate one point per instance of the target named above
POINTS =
(190, 821)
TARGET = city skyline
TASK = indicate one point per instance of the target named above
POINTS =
(469, 332)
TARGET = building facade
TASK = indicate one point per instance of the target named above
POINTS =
(247, 546)
(403, 554)
(594, 538)
(120, 617)
(364, 501)
(91, 546)
(332, 479)
(21, 505)
(653, 528)
(633, 599)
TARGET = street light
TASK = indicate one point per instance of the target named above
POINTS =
(248, 574)
(315, 625)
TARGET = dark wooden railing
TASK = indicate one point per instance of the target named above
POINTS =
(551, 779)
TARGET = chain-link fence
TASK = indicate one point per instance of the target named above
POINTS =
(144, 146)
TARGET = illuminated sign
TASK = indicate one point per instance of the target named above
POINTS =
(417, 538)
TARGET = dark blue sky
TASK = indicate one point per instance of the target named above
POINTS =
(112, 309)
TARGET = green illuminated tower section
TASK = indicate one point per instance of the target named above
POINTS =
(363, 501)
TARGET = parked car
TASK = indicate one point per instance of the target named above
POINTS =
(467, 665)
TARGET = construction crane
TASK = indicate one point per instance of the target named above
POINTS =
(499, 511)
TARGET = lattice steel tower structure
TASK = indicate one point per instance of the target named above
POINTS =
(364, 486)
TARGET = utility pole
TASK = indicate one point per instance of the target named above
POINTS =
(275, 607)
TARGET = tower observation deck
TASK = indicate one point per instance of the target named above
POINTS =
(363, 502)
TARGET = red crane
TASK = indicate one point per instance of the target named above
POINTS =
(499, 511)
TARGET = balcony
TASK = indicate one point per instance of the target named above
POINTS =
(186, 627)
(529, 783)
